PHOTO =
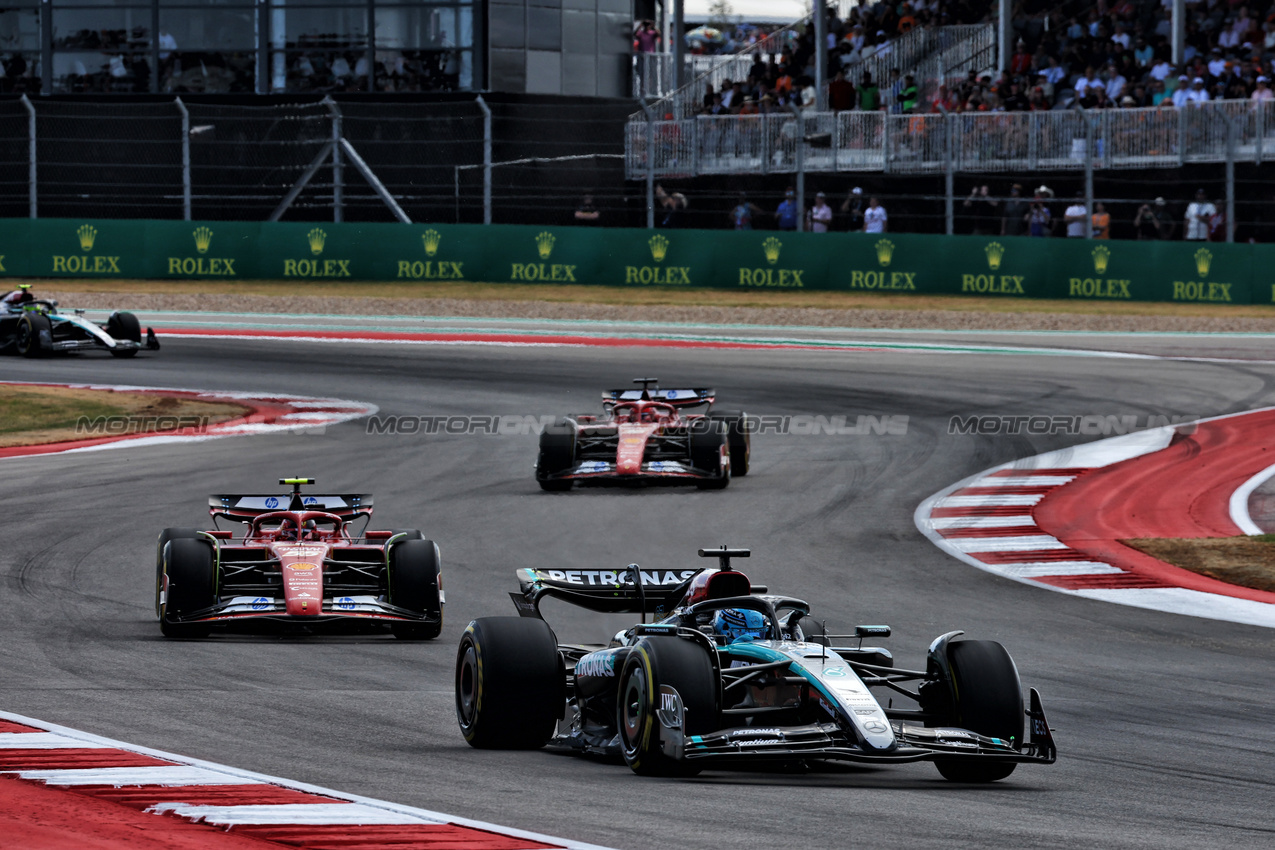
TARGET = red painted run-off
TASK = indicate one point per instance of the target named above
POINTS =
(1183, 490)
(502, 339)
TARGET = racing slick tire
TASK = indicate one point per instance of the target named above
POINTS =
(737, 437)
(706, 444)
(124, 326)
(557, 454)
(683, 666)
(409, 533)
(192, 586)
(416, 583)
(509, 683)
(987, 699)
(26, 339)
(164, 536)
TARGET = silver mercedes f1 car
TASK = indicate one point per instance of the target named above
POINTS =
(730, 674)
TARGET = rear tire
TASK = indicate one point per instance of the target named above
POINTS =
(509, 683)
(683, 666)
(416, 584)
(164, 536)
(192, 586)
(707, 440)
(737, 437)
(124, 326)
(557, 454)
(26, 339)
(988, 699)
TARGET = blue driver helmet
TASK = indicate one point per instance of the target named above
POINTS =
(739, 624)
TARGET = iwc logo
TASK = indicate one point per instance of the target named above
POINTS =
(788, 278)
(656, 275)
(82, 264)
(202, 266)
(430, 269)
(543, 272)
(317, 240)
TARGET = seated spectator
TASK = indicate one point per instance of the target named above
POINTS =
(841, 93)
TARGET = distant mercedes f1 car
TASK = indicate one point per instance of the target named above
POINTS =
(728, 674)
(31, 327)
(646, 435)
(297, 563)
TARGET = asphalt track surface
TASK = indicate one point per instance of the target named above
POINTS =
(1162, 721)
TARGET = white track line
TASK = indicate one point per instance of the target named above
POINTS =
(1174, 600)
(364, 810)
(1239, 501)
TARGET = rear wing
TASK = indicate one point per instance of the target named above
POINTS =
(245, 507)
(677, 398)
(604, 591)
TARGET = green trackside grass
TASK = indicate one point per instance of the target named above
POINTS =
(31, 415)
(1244, 561)
(657, 296)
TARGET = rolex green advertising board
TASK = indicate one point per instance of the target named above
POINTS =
(754, 260)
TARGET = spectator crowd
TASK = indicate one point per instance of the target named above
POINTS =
(1108, 54)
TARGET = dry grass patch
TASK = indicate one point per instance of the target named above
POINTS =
(1243, 561)
(32, 415)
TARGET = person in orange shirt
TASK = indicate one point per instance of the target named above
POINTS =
(1101, 221)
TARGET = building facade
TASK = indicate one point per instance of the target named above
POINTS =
(314, 46)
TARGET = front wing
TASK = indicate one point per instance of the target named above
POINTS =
(831, 741)
(333, 608)
(655, 469)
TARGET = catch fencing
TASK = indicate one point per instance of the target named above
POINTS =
(1155, 137)
(458, 160)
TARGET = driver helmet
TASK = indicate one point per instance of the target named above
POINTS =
(17, 297)
(310, 530)
(287, 531)
(739, 624)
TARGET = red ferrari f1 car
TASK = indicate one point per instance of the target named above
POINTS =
(647, 435)
(297, 563)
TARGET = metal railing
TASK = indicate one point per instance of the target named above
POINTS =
(1155, 137)
(931, 55)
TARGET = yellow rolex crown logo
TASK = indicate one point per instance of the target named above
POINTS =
(316, 238)
(659, 247)
(87, 234)
(885, 252)
(544, 244)
(1203, 259)
(771, 247)
(203, 238)
(431, 238)
(995, 252)
(1101, 257)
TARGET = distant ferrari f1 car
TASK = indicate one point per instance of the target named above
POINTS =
(297, 563)
(32, 327)
(728, 674)
(645, 435)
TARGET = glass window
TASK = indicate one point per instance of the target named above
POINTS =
(424, 48)
(112, 73)
(187, 71)
(321, 27)
(207, 29)
(102, 29)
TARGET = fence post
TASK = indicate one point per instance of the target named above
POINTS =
(482, 104)
(650, 165)
(1230, 174)
(31, 184)
(338, 171)
(885, 142)
(1089, 155)
(801, 168)
(949, 176)
(185, 158)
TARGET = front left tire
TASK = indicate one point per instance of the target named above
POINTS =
(416, 583)
(988, 700)
(191, 573)
(125, 326)
(682, 665)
